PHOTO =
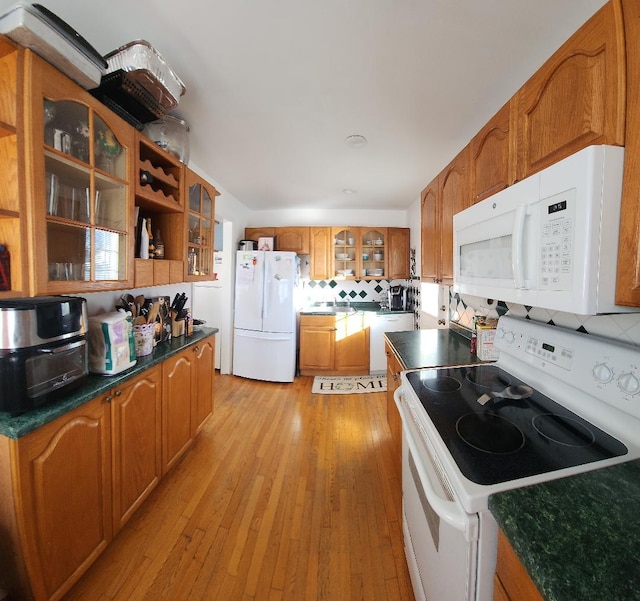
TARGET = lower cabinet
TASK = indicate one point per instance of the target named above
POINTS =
(61, 496)
(511, 581)
(69, 486)
(393, 416)
(334, 344)
(136, 421)
(183, 416)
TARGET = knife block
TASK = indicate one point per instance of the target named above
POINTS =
(178, 326)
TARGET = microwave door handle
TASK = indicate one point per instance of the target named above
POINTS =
(449, 511)
(517, 239)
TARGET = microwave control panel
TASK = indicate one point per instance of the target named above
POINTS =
(557, 229)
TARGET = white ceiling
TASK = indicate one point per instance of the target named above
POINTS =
(275, 87)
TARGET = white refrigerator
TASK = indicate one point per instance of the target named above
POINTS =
(264, 341)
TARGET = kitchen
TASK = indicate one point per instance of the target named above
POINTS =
(620, 327)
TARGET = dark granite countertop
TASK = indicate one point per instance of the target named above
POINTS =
(333, 308)
(578, 537)
(92, 386)
(431, 348)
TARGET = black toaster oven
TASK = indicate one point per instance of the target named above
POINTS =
(43, 350)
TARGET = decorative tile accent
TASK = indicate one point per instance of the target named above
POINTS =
(624, 327)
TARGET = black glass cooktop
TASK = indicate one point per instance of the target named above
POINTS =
(499, 429)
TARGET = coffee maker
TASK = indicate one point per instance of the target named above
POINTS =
(397, 296)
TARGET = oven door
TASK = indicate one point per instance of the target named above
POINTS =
(441, 539)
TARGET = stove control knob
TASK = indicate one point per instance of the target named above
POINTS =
(509, 337)
(629, 383)
(602, 373)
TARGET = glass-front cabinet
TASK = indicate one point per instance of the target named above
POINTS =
(359, 252)
(373, 252)
(200, 220)
(81, 167)
(345, 252)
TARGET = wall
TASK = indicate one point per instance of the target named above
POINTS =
(283, 217)
(624, 327)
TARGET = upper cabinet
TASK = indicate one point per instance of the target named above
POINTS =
(398, 242)
(79, 169)
(321, 253)
(577, 98)
(293, 239)
(493, 155)
(12, 193)
(447, 195)
(200, 220)
(628, 276)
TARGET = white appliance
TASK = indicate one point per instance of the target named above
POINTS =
(378, 325)
(556, 403)
(548, 241)
(264, 342)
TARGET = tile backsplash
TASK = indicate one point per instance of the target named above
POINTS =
(624, 327)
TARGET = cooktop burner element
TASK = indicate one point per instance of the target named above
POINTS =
(563, 430)
(441, 383)
(490, 377)
(509, 437)
(490, 433)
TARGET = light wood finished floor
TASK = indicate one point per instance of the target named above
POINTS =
(285, 495)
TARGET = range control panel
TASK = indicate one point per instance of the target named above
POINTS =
(605, 369)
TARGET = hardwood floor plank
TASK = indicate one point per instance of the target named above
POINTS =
(284, 496)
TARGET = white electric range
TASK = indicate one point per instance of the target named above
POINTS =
(556, 403)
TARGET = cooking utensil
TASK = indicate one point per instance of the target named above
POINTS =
(139, 301)
(517, 393)
(153, 312)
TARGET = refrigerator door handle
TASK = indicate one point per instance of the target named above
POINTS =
(267, 289)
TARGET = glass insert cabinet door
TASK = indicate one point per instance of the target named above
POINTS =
(345, 260)
(373, 253)
(200, 228)
(85, 197)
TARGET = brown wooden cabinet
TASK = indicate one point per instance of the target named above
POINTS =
(577, 97)
(321, 253)
(430, 232)
(198, 228)
(203, 381)
(187, 399)
(393, 416)
(398, 244)
(177, 383)
(493, 154)
(293, 239)
(447, 195)
(13, 230)
(79, 174)
(628, 275)
(512, 582)
(62, 498)
(136, 420)
(70, 485)
(334, 344)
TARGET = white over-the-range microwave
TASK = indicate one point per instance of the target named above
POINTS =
(550, 240)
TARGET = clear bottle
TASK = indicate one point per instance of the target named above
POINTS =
(192, 262)
(159, 244)
(152, 246)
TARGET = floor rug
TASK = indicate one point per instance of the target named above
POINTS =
(349, 384)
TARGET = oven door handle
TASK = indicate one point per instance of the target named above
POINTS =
(449, 511)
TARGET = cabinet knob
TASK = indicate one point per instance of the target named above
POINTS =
(108, 399)
(196, 348)
(118, 392)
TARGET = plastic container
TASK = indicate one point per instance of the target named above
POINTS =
(37, 28)
(172, 134)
